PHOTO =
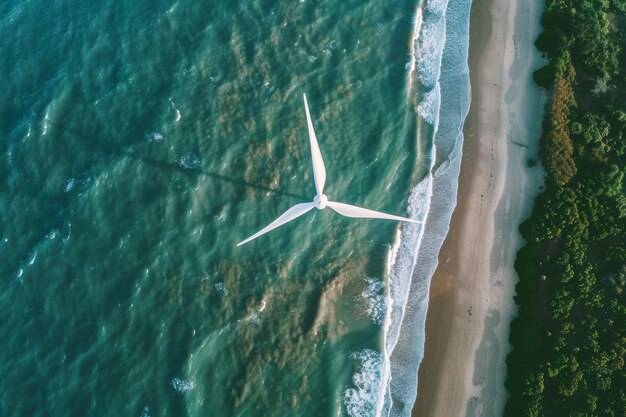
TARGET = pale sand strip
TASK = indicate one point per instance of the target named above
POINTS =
(471, 294)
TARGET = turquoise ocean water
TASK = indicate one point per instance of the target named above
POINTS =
(141, 140)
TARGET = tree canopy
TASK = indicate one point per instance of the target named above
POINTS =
(568, 339)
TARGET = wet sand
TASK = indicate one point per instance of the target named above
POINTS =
(471, 293)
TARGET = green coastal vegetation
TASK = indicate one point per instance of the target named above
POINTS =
(569, 337)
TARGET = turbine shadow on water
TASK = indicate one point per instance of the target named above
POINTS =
(321, 201)
(170, 166)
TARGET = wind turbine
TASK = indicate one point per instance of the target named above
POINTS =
(320, 201)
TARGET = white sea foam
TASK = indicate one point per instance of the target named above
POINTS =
(219, 218)
(182, 385)
(219, 286)
(171, 9)
(429, 48)
(78, 184)
(428, 108)
(417, 27)
(402, 267)
(32, 255)
(373, 298)
(437, 7)
(443, 103)
(69, 185)
(44, 128)
(175, 109)
(329, 46)
(189, 161)
(393, 252)
(361, 400)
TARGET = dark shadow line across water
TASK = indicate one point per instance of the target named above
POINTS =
(172, 166)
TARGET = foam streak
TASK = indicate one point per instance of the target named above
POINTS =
(439, 57)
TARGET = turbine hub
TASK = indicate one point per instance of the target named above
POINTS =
(320, 201)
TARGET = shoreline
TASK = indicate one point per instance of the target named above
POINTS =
(471, 293)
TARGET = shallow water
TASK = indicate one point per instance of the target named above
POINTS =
(140, 142)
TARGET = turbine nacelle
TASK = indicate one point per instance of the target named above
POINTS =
(320, 201)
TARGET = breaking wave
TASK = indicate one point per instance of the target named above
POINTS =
(439, 70)
(360, 400)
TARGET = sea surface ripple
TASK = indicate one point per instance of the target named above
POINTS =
(140, 141)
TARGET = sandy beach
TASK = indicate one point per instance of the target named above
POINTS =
(471, 294)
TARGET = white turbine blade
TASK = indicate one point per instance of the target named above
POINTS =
(354, 211)
(294, 212)
(319, 170)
